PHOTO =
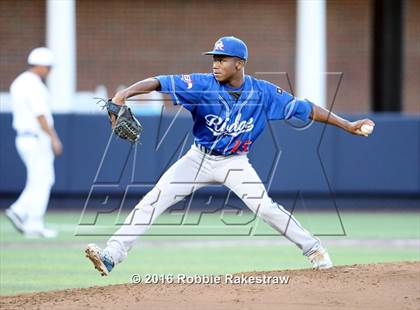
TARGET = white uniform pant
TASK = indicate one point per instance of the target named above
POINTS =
(193, 171)
(38, 157)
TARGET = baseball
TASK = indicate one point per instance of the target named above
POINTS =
(366, 129)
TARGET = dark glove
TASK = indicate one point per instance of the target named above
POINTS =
(126, 126)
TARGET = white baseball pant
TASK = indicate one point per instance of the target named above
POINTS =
(38, 157)
(193, 171)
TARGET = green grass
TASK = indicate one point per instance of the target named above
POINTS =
(37, 264)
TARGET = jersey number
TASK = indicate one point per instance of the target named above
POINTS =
(237, 144)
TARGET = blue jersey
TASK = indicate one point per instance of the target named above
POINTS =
(225, 124)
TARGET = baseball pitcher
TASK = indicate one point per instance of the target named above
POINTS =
(229, 110)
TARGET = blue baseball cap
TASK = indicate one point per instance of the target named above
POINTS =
(230, 46)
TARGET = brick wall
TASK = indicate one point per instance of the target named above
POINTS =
(120, 42)
(348, 40)
(22, 27)
(411, 76)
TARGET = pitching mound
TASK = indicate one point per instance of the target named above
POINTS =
(378, 286)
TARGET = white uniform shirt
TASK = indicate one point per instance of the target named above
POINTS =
(30, 99)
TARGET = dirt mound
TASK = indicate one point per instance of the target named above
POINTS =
(378, 286)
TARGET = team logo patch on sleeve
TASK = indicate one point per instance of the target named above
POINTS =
(279, 90)
(187, 79)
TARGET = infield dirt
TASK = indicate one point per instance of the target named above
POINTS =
(376, 286)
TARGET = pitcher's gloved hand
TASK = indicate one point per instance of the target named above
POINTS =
(123, 122)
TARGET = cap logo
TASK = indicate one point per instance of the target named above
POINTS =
(218, 46)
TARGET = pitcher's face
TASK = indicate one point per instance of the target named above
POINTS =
(225, 67)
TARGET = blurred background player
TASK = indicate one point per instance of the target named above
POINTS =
(36, 142)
